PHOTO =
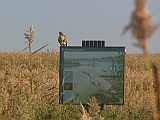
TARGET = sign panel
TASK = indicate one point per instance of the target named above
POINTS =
(92, 71)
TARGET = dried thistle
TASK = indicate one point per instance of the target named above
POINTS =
(141, 24)
(94, 108)
(93, 112)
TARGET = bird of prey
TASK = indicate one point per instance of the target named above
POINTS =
(62, 39)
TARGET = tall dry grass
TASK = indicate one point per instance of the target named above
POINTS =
(16, 97)
(17, 102)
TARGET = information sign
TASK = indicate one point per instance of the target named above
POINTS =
(92, 71)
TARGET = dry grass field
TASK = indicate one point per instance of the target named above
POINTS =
(18, 101)
(29, 83)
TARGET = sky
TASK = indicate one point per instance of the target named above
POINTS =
(77, 19)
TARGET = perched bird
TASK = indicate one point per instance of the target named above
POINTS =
(62, 39)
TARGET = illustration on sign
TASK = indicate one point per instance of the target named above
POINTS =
(87, 72)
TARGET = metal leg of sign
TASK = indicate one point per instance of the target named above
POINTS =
(102, 106)
(86, 106)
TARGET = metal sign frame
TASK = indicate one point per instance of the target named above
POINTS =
(92, 71)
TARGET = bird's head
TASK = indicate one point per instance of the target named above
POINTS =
(89, 74)
(61, 33)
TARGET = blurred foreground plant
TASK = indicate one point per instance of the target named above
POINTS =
(141, 24)
(157, 83)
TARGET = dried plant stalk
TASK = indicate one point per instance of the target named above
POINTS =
(31, 36)
(157, 82)
(141, 24)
